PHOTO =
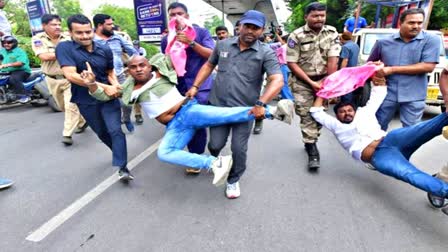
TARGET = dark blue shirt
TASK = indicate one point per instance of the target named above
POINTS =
(194, 60)
(350, 51)
(101, 59)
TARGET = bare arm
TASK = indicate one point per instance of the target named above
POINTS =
(419, 68)
(344, 63)
(332, 65)
(47, 56)
(202, 75)
(318, 102)
(203, 51)
(275, 84)
(298, 72)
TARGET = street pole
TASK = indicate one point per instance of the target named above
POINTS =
(358, 12)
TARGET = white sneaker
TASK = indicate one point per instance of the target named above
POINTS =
(233, 190)
(221, 167)
(284, 111)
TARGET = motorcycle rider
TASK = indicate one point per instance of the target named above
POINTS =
(16, 63)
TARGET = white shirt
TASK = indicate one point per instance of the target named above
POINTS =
(158, 105)
(364, 128)
(5, 26)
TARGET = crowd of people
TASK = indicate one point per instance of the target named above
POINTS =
(221, 88)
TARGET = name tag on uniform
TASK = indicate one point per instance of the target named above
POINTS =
(224, 54)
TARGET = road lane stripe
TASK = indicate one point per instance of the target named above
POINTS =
(51, 225)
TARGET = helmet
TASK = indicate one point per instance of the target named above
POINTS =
(10, 39)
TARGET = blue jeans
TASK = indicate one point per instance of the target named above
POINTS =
(191, 117)
(392, 155)
(285, 92)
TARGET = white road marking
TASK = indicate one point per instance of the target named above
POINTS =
(51, 225)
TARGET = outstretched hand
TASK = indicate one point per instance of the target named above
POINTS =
(88, 76)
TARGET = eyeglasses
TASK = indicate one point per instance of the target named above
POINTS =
(7, 42)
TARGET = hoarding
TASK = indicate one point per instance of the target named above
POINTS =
(150, 18)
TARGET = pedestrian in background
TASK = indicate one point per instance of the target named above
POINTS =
(408, 55)
(312, 54)
(348, 58)
(44, 46)
(198, 52)
(103, 117)
(104, 33)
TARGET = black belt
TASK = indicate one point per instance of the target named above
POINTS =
(56, 77)
(317, 77)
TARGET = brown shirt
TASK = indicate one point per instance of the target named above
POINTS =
(41, 43)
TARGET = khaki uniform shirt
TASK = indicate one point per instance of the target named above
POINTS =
(311, 51)
(42, 43)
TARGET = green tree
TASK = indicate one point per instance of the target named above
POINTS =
(439, 18)
(66, 8)
(124, 17)
(211, 23)
(17, 16)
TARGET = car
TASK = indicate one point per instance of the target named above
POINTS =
(366, 38)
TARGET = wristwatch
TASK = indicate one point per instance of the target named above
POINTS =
(260, 103)
(192, 44)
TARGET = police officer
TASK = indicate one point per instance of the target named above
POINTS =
(44, 45)
(312, 54)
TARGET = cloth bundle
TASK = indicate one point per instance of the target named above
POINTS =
(346, 80)
(176, 49)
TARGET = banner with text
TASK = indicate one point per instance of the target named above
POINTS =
(36, 9)
(150, 17)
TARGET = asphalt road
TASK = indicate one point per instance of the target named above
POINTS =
(343, 207)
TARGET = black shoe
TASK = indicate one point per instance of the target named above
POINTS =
(67, 140)
(81, 129)
(125, 175)
(313, 156)
(258, 127)
(138, 119)
(436, 201)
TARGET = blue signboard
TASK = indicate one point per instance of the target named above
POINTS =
(36, 9)
(150, 19)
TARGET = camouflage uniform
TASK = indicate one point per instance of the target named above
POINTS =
(58, 85)
(310, 51)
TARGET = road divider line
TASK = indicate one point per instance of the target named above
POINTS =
(51, 225)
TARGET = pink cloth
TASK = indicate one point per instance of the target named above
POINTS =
(177, 50)
(346, 80)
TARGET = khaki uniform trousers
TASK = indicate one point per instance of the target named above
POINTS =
(61, 92)
(304, 97)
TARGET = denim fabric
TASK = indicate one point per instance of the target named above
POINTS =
(285, 92)
(183, 126)
(392, 155)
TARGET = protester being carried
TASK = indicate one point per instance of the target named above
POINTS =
(153, 85)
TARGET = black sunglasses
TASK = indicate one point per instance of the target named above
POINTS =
(7, 42)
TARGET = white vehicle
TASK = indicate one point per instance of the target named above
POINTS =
(366, 38)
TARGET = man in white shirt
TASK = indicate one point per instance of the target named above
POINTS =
(5, 26)
(388, 152)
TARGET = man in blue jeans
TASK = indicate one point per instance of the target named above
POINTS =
(104, 118)
(360, 134)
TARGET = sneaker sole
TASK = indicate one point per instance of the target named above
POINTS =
(6, 185)
(190, 171)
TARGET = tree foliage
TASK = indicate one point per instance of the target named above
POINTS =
(66, 8)
(17, 16)
(213, 22)
(439, 17)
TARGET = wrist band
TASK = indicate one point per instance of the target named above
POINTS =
(196, 86)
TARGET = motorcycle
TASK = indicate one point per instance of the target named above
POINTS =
(35, 86)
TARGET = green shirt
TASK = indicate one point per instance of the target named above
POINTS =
(15, 55)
